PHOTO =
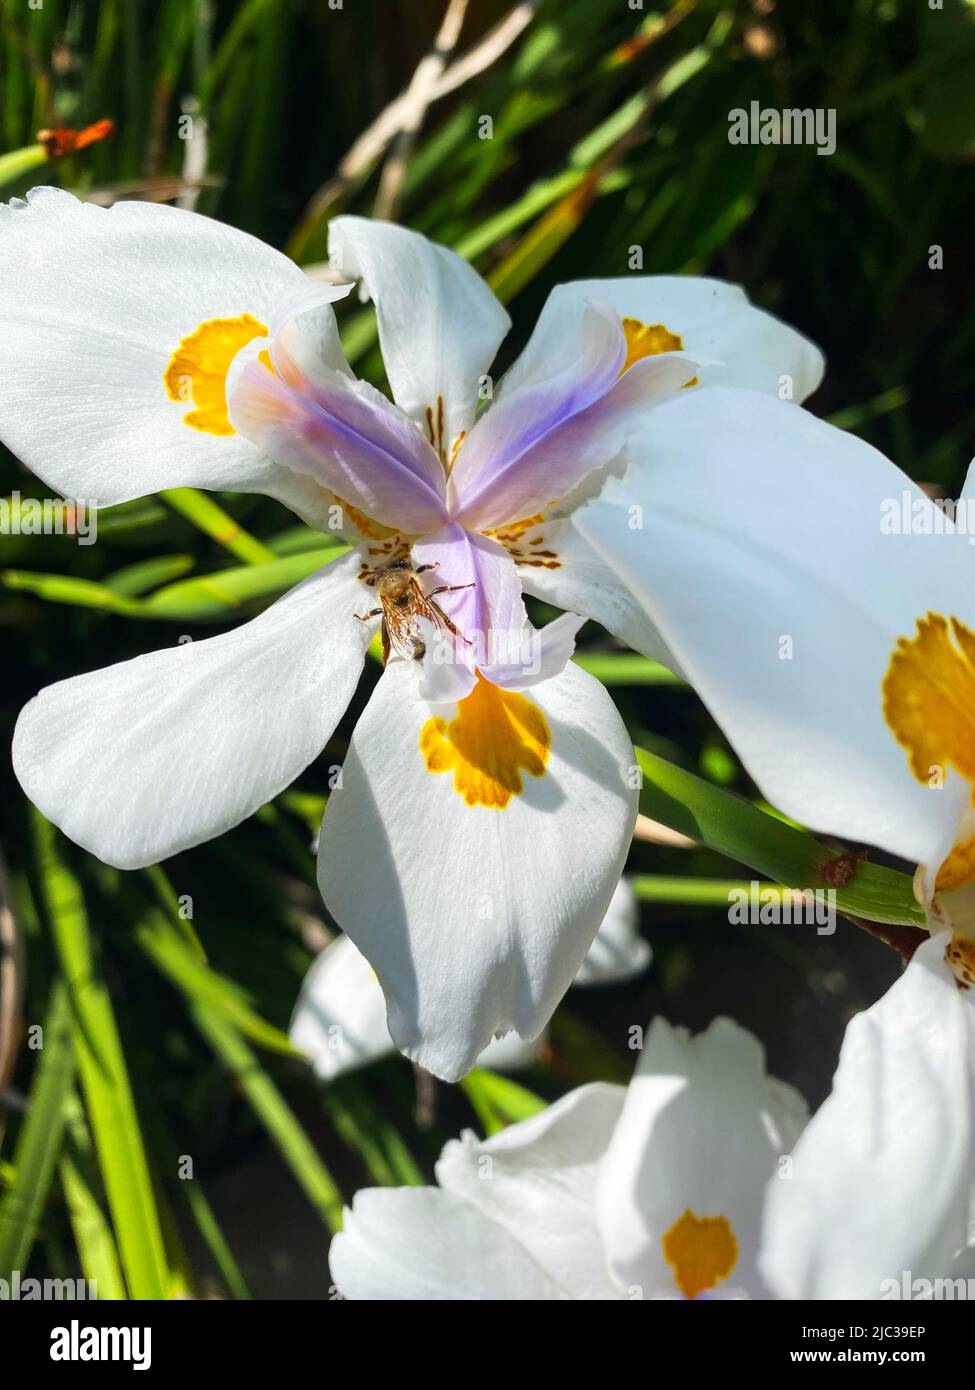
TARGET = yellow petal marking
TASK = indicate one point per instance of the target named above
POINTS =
(197, 370)
(701, 1250)
(929, 697)
(649, 340)
(495, 736)
(958, 869)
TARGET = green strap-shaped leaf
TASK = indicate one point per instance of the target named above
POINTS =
(499, 1101)
(104, 1076)
(40, 1138)
(198, 599)
(93, 1236)
(16, 163)
(170, 953)
(626, 668)
(210, 518)
(726, 822)
(363, 1127)
(275, 1114)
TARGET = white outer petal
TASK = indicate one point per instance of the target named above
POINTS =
(619, 952)
(510, 1053)
(761, 522)
(585, 583)
(138, 761)
(339, 1018)
(702, 1128)
(475, 919)
(882, 1176)
(537, 1179)
(439, 324)
(714, 319)
(95, 302)
(423, 1245)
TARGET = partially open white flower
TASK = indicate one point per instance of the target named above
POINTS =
(487, 800)
(703, 1179)
(654, 1190)
(883, 1179)
(339, 1019)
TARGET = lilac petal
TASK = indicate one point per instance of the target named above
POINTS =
(484, 615)
(342, 432)
(563, 465)
(536, 654)
(496, 479)
(557, 463)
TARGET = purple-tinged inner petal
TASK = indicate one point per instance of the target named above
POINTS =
(486, 613)
(346, 435)
(496, 478)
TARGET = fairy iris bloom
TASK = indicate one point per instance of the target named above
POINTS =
(652, 1190)
(837, 648)
(703, 1179)
(486, 801)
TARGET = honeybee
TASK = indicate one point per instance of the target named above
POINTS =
(402, 603)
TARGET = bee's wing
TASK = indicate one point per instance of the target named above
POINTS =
(399, 630)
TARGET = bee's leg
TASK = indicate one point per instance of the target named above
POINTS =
(449, 588)
(364, 617)
(385, 632)
(443, 616)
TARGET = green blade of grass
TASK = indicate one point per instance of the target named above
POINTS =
(63, 588)
(498, 1101)
(626, 668)
(97, 1250)
(16, 163)
(363, 1128)
(169, 952)
(215, 1240)
(216, 595)
(137, 579)
(213, 521)
(198, 599)
(704, 892)
(726, 822)
(40, 1137)
(275, 1115)
(104, 1075)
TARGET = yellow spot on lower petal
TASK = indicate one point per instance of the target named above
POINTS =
(197, 370)
(649, 340)
(958, 869)
(929, 697)
(702, 1251)
(496, 735)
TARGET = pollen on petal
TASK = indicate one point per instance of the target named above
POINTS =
(701, 1250)
(929, 697)
(495, 736)
(197, 370)
(649, 340)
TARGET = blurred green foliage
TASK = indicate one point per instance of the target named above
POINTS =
(165, 1038)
